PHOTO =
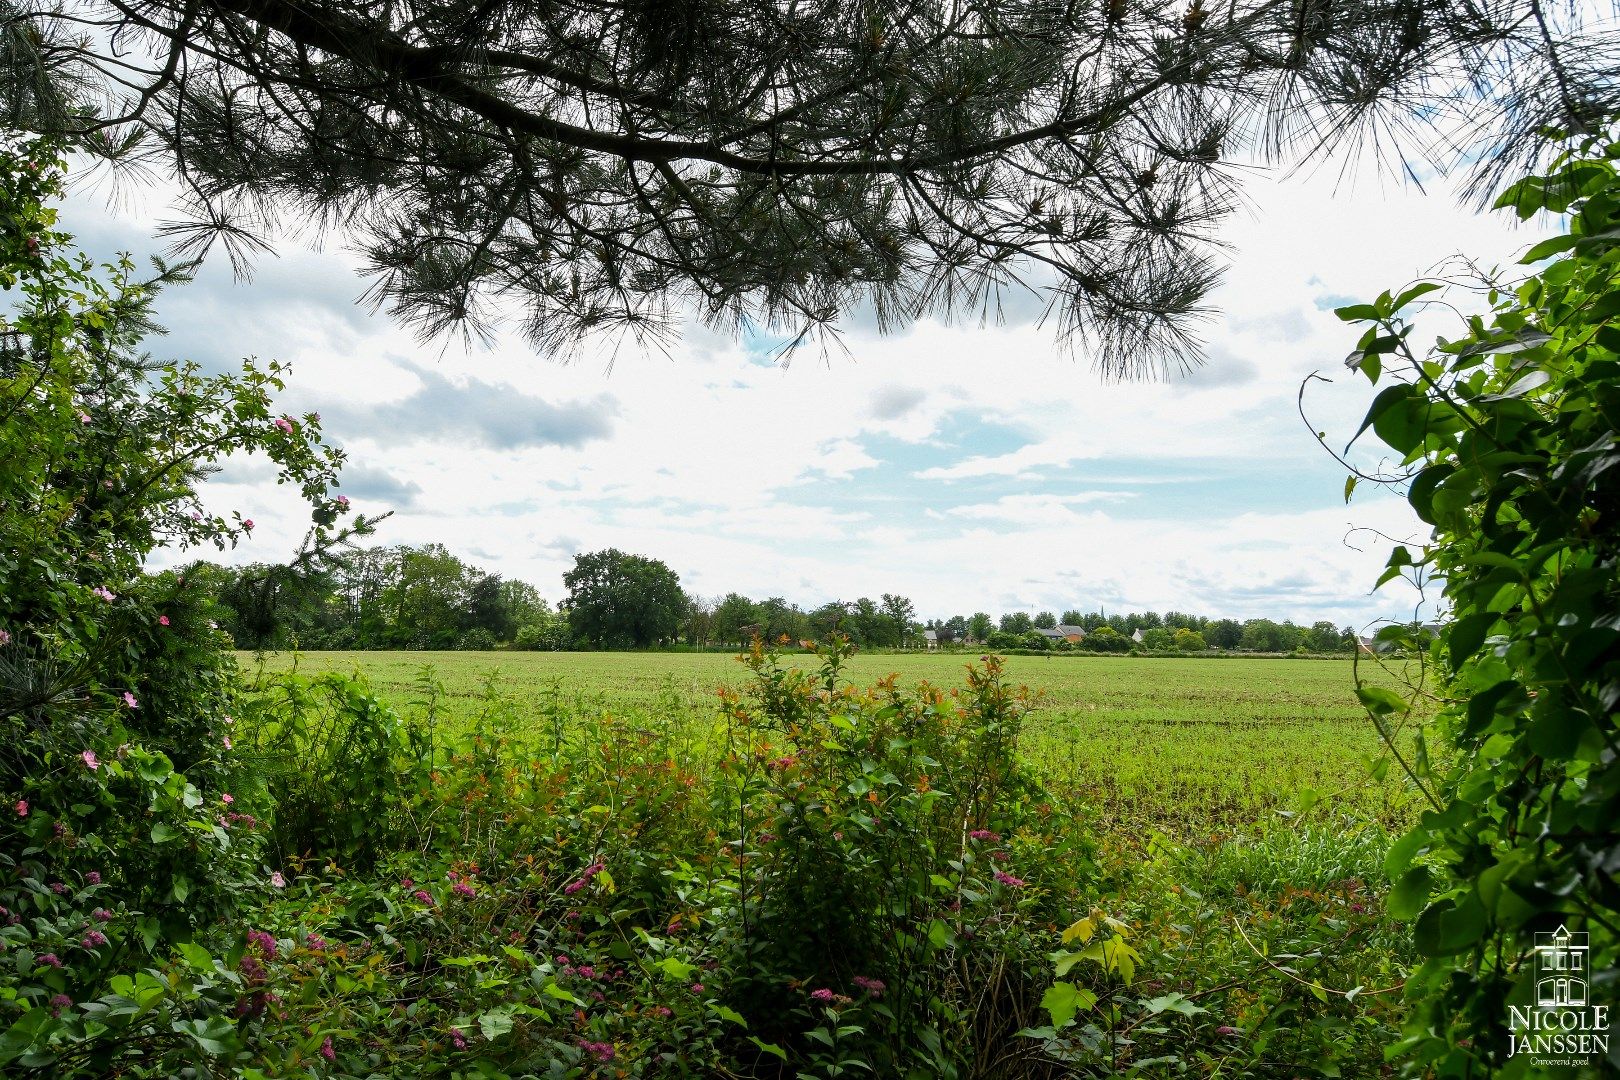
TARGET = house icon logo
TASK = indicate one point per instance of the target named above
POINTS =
(1562, 1028)
(1561, 967)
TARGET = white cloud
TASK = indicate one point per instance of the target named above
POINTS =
(970, 467)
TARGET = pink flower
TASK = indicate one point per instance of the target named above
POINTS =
(1226, 1029)
(102, 914)
(93, 877)
(196, 515)
(984, 834)
(163, 620)
(227, 719)
(94, 939)
(458, 1039)
(461, 888)
(314, 942)
(5, 637)
(247, 523)
(58, 888)
(1008, 880)
(90, 760)
(601, 1051)
(129, 699)
(697, 988)
(822, 996)
(277, 881)
(22, 807)
(343, 501)
(584, 878)
(874, 987)
(264, 942)
(104, 592)
(326, 1049)
(406, 883)
(50, 960)
(283, 424)
(84, 418)
(422, 897)
(227, 798)
(226, 742)
(60, 1002)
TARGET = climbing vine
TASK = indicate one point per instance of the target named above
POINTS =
(1508, 446)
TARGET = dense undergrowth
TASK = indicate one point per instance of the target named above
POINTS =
(866, 882)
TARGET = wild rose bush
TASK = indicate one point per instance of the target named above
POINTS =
(120, 835)
(589, 904)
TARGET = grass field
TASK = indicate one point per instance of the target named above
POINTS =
(1192, 747)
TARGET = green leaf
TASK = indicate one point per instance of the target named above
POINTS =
(216, 1035)
(1390, 397)
(1422, 288)
(196, 956)
(1172, 1002)
(1380, 701)
(1548, 248)
(731, 1015)
(551, 989)
(1356, 312)
(1410, 894)
(1421, 493)
(1448, 928)
(1063, 1000)
(495, 1023)
(676, 969)
(769, 1048)
(1555, 733)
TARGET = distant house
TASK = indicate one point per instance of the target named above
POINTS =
(1136, 635)
(1063, 632)
(931, 638)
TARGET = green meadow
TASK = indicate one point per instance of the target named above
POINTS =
(1176, 745)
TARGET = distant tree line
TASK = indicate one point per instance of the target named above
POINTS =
(427, 598)
(381, 598)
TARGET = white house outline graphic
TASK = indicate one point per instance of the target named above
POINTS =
(1561, 966)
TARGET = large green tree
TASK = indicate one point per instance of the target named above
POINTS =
(605, 165)
(616, 600)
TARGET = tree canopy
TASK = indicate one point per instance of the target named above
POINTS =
(617, 600)
(609, 165)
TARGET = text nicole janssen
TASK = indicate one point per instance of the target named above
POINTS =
(1542, 1032)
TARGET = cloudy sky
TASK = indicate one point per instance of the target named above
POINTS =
(968, 467)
